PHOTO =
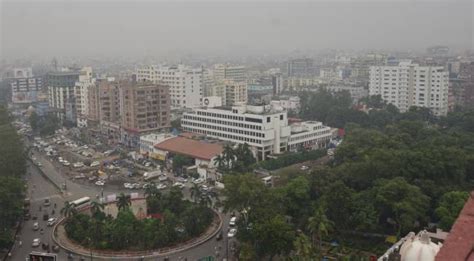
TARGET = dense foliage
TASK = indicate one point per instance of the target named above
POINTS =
(179, 221)
(290, 159)
(393, 173)
(239, 159)
(12, 169)
(44, 125)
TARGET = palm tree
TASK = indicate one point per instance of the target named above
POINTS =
(319, 225)
(229, 155)
(196, 193)
(123, 201)
(96, 209)
(219, 160)
(303, 247)
(68, 210)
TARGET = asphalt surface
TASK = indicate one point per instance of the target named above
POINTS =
(40, 188)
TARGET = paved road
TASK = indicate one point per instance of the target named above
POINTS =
(40, 188)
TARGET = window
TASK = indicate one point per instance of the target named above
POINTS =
(268, 119)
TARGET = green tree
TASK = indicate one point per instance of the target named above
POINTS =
(196, 193)
(303, 248)
(401, 202)
(68, 210)
(123, 201)
(319, 225)
(449, 207)
(274, 237)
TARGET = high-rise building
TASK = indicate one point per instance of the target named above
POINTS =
(300, 67)
(466, 76)
(145, 107)
(409, 84)
(230, 72)
(185, 84)
(25, 87)
(235, 93)
(82, 95)
(277, 83)
(61, 90)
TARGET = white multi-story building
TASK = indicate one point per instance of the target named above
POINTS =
(148, 142)
(235, 93)
(308, 135)
(185, 83)
(409, 84)
(82, 96)
(292, 103)
(266, 131)
(229, 72)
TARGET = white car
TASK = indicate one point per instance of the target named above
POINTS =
(232, 232)
(178, 184)
(198, 181)
(39, 164)
(161, 186)
(78, 165)
(163, 178)
(148, 164)
(66, 163)
(100, 183)
(232, 221)
(95, 164)
(36, 242)
(51, 222)
(304, 167)
(136, 185)
(127, 185)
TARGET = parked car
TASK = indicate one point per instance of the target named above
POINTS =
(127, 185)
(78, 165)
(66, 163)
(161, 186)
(232, 232)
(51, 222)
(80, 176)
(178, 184)
(198, 181)
(95, 164)
(100, 183)
(36, 242)
(35, 226)
(232, 221)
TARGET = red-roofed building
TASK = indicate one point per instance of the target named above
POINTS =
(459, 245)
(202, 151)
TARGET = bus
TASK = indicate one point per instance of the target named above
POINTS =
(79, 203)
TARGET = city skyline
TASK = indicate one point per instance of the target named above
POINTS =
(148, 28)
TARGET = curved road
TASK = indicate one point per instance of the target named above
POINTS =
(40, 188)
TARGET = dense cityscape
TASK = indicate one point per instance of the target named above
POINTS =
(301, 153)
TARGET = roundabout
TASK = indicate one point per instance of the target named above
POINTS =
(60, 234)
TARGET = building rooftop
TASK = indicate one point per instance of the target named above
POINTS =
(459, 244)
(193, 148)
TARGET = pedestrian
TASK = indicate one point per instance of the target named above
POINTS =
(20, 243)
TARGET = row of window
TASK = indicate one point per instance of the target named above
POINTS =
(222, 122)
(223, 135)
(310, 135)
(220, 128)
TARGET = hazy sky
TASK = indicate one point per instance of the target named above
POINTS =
(75, 28)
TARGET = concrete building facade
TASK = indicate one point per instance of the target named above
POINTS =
(145, 108)
(409, 85)
(185, 83)
(235, 93)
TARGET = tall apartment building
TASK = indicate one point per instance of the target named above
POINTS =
(81, 92)
(466, 76)
(409, 84)
(61, 95)
(230, 72)
(277, 83)
(185, 83)
(24, 86)
(235, 93)
(145, 107)
(300, 67)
